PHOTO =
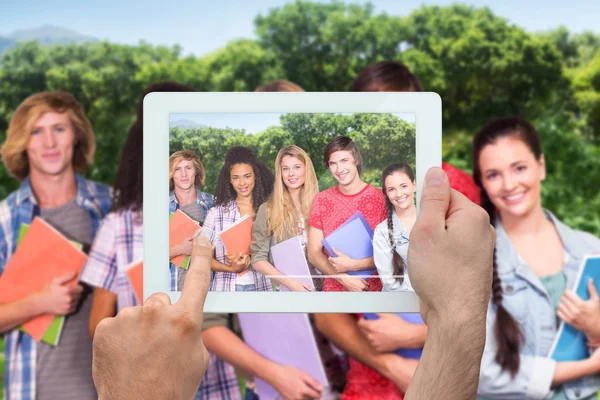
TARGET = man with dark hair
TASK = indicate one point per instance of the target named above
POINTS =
(48, 144)
(332, 207)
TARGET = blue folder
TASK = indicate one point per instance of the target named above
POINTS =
(571, 344)
(353, 238)
(414, 318)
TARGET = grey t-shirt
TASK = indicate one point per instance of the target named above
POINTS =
(65, 371)
(195, 212)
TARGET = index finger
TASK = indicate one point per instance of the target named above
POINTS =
(572, 297)
(195, 286)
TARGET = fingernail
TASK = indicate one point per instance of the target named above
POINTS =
(434, 177)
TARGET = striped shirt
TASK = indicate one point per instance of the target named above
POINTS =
(120, 243)
(218, 219)
(205, 201)
(18, 208)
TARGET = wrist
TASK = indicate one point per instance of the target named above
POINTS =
(37, 302)
(269, 373)
(594, 335)
(387, 367)
(589, 367)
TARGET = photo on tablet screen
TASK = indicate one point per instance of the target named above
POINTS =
(294, 202)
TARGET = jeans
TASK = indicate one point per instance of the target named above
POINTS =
(245, 288)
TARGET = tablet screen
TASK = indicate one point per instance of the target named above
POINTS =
(294, 201)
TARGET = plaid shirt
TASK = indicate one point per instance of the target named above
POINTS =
(206, 202)
(18, 208)
(217, 220)
(120, 242)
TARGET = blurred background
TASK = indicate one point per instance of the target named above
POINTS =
(540, 60)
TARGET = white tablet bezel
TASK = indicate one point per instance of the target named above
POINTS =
(427, 109)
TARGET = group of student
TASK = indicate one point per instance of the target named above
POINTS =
(50, 143)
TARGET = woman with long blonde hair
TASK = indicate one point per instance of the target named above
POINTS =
(284, 214)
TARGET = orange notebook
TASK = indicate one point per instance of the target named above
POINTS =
(43, 255)
(180, 227)
(237, 237)
(135, 273)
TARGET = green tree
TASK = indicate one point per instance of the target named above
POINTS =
(481, 65)
(322, 47)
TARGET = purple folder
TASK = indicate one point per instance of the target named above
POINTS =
(289, 259)
(286, 339)
(353, 238)
(414, 318)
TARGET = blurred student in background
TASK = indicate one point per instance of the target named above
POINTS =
(537, 259)
(280, 85)
(49, 143)
(186, 177)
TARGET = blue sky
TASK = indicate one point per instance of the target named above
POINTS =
(252, 123)
(201, 26)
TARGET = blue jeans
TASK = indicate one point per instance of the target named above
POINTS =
(245, 288)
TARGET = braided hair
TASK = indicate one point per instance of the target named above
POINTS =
(507, 331)
(397, 261)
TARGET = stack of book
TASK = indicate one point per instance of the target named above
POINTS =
(42, 255)
(181, 227)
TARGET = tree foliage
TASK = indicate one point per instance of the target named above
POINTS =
(382, 139)
(480, 64)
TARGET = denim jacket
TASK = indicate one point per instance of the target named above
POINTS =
(526, 299)
(382, 254)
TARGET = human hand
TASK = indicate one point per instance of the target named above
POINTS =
(582, 315)
(296, 285)
(342, 263)
(238, 261)
(353, 283)
(185, 247)
(385, 334)
(400, 370)
(156, 342)
(450, 254)
(293, 384)
(58, 298)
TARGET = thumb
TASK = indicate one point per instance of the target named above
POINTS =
(435, 200)
(61, 280)
(339, 253)
(592, 290)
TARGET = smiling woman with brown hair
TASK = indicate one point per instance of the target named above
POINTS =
(536, 263)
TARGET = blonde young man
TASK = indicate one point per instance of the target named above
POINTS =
(186, 177)
(49, 142)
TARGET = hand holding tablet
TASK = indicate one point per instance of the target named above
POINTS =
(156, 342)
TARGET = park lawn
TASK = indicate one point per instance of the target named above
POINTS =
(1, 366)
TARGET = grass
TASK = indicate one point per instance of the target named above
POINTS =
(1, 367)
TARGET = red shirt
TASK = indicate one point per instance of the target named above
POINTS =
(330, 209)
(462, 182)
